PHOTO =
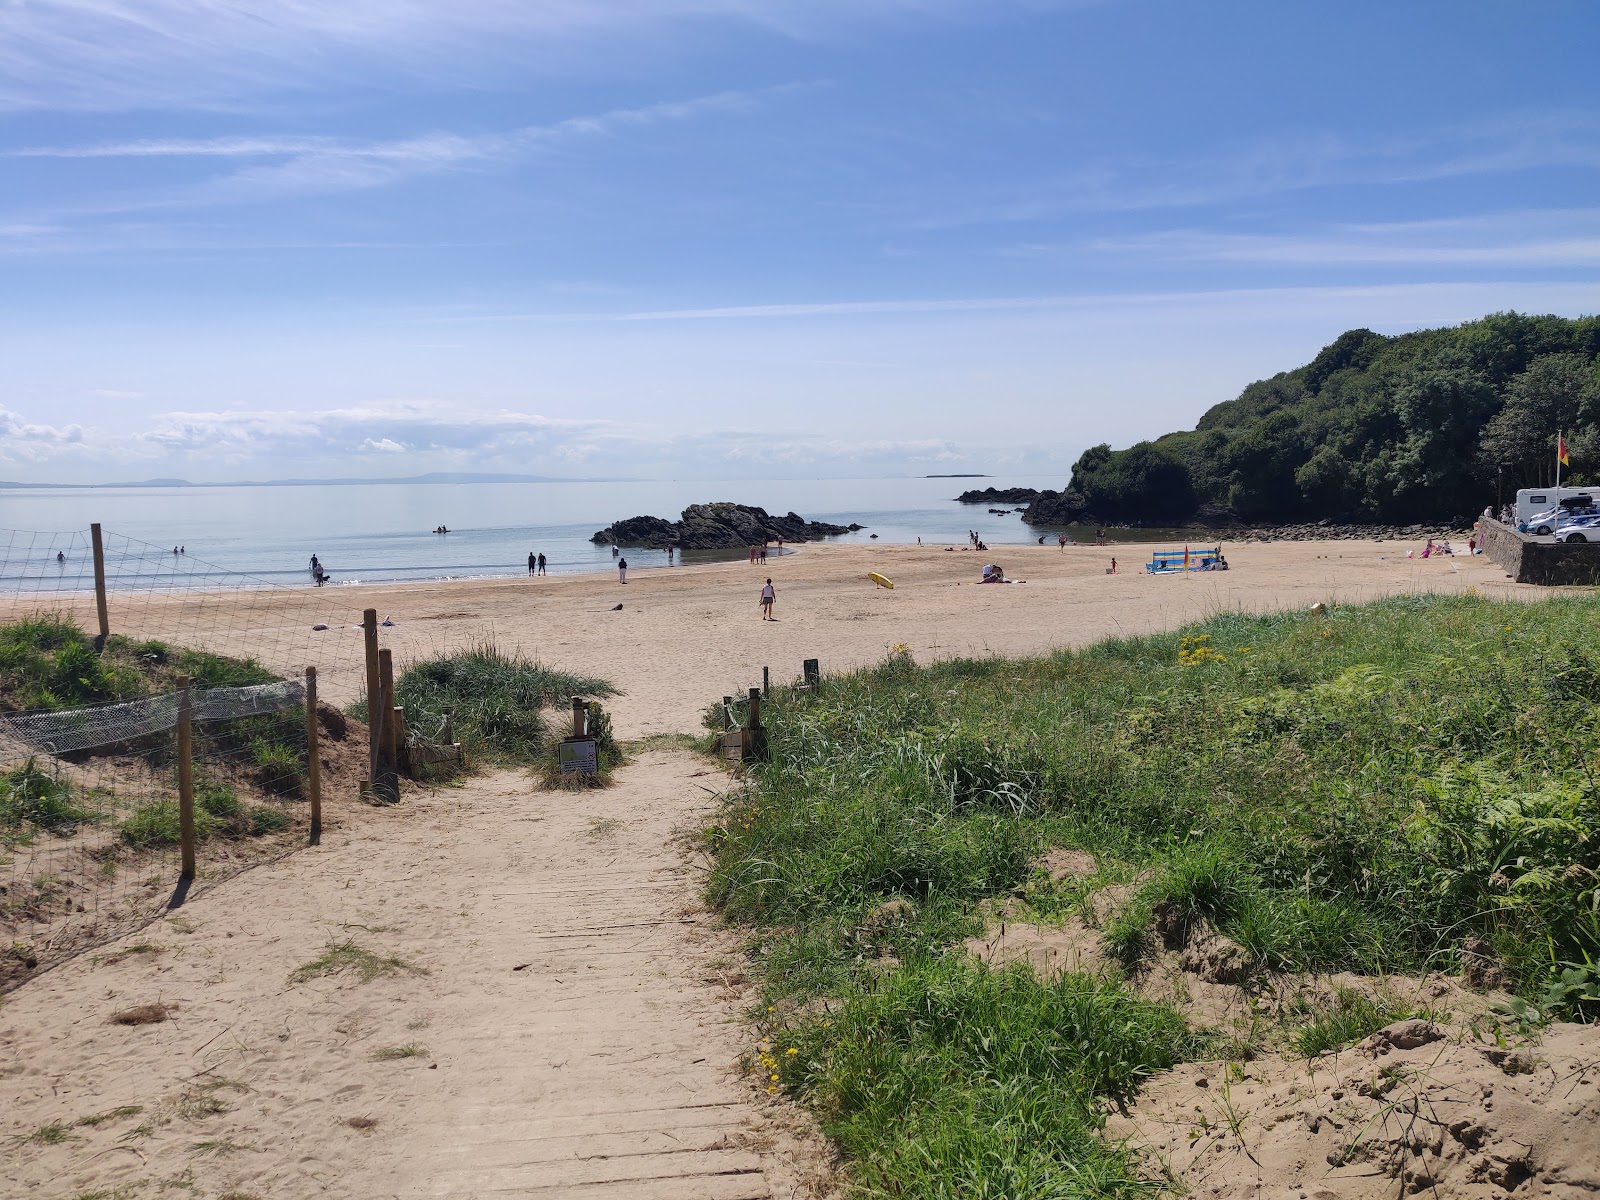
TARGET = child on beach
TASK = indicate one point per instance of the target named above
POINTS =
(769, 596)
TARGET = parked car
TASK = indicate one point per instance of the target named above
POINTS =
(1547, 522)
(1580, 529)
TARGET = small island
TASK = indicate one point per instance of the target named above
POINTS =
(719, 526)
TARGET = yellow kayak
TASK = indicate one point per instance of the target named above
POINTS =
(880, 580)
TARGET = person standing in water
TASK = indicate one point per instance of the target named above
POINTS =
(541, 564)
(622, 570)
(769, 597)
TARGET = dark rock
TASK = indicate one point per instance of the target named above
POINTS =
(994, 495)
(1054, 508)
(720, 526)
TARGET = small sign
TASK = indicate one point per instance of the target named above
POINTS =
(578, 756)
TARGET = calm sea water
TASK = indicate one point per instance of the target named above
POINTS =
(377, 532)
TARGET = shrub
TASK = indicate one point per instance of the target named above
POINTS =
(496, 698)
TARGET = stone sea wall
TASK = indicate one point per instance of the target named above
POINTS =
(1531, 560)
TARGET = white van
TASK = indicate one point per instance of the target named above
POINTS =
(1532, 502)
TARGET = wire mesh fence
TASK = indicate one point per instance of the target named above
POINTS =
(152, 719)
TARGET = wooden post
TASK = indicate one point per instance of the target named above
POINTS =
(754, 720)
(185, 778)
(812, 671)
(766, 682)
(580, 717)
(727, 713)
(389, 756)
(100, 586)
(449, 727)
(313, 757)
(375, 708)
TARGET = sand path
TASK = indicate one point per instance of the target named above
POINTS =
(576, 1033)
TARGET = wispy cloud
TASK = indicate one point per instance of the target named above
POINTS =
(276, 168)
(111, 54)
(1527, 239)
(1225, 174)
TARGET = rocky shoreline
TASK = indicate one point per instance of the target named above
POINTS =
(719, 526)
(1045, 507)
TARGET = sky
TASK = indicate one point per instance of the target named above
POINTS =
(731, 239)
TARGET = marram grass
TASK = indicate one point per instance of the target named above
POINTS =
(1361, 790)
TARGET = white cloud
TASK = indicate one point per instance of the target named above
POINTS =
(383, 446)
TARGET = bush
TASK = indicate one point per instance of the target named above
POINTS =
(495, 697)
(278, 768)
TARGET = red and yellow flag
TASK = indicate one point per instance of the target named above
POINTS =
(1561, 451)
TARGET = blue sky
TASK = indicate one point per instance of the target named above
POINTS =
(731, 238)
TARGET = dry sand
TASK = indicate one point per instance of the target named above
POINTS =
(574, 1016)
(688, 635)
(568, 1020)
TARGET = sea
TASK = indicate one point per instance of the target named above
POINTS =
(382, 532)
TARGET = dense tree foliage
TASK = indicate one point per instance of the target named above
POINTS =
(1424, 426)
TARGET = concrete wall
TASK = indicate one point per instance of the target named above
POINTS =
(1530, 560)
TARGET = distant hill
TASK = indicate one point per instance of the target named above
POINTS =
(1423, 426)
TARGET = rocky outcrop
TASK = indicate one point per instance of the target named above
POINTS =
(994, 495)
(1054, 508)
(721, 526)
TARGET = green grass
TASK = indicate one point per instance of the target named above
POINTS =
(47, 662)
(52, 1134)
(393, 1053)
(349, 956)
(1360, 791)
(33, 798)
(218, 812)
(496, 697)
(1349, 1018)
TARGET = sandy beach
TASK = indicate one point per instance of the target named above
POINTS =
(688, 635)
(559, 1016)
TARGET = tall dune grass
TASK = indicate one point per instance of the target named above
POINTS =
(1363, 790)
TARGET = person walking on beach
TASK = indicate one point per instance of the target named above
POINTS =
(622, 570)
(769, 597)
(533, 563)
(541, 565)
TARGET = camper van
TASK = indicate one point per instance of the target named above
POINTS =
(1536, 502)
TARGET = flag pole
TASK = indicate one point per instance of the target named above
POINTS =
(1559, 447)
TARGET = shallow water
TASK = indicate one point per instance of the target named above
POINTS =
(379, 532)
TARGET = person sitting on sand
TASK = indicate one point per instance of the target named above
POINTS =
(769, 597)
(1427, 551)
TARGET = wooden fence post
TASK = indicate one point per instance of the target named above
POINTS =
(185, 778)
(580, 717)
(369, 630)
(812, 671)
(389, 753)
(727, 713)
(313, 757)
(100, 587)
(766, 682)
(753, 721)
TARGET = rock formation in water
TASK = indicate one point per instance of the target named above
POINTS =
(994, 495)
(720, 526)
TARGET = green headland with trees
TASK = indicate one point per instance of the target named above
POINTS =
(1424, 426)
